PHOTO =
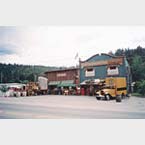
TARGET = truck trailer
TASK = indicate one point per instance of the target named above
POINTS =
(43, 85)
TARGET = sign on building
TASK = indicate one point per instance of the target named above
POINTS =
(61, 74)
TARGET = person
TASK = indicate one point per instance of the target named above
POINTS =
(78, 90)
(59, 91)
(91, 90)
(82, 91)
(87, 91)
(66, 92)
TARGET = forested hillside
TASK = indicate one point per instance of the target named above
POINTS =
(10, 73)
(136, 59)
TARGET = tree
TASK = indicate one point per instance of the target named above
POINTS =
(30, 77)
(141, 87)
(136, 59)
(137, 68)
(4, 88)
(119, 52)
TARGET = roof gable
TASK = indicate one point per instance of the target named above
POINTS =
(97, 57)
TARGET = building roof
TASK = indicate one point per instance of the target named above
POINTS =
(60, 70)
(113, 56)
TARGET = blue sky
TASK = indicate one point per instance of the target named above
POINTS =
(58, 46)
(7, 34)
(6, 50)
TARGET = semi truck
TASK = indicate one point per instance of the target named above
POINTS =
(113, 87)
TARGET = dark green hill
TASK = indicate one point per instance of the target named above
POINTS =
(136, 59)
(21, 73)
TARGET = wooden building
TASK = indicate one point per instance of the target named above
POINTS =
(63, 79)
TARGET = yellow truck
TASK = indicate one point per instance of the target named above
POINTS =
(114, 87)
(32, 89)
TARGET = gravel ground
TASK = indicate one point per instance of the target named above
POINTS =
(55, 106)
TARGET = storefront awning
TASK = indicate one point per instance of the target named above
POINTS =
(54, 83)
(67, 83)
(93, 82)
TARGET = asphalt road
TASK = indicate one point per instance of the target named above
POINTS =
(79, 107)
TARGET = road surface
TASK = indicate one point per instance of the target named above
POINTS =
(79, 107)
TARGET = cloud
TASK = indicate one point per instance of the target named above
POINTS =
(57, 46)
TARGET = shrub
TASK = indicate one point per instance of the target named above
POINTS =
(140, 87)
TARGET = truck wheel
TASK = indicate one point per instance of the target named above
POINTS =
(98, 98)
(123, 96)
(118, 98)
(107, 97)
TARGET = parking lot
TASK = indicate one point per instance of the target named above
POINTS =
(65, 107)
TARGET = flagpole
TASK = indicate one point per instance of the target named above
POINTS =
(76, 56)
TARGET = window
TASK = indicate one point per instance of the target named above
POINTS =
(112, 67)
(112, 70)
(90, 72)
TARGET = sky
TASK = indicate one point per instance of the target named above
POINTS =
(59, 45)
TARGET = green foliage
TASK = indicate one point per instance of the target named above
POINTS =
(136, 59)
(137, 68)
(13, 73)
(3, 88)
(119, 52)
(140, 86)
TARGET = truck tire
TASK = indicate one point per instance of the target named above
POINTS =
(123, 96)
(118, 98)
(98, 98)
(107, 97)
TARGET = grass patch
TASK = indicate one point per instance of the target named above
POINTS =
(137, 95)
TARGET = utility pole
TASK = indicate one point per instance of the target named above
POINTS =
(35, 77)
